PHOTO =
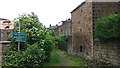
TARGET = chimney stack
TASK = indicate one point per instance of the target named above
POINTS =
(50, 25)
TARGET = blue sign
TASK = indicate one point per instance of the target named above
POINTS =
(19, 37)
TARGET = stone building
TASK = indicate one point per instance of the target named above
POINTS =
(82, 34)
(6, 29)
(55, 28)
(83, 23)
(65, 28)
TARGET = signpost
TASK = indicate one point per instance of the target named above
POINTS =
(20, 37)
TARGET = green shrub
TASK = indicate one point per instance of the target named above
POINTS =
(108, 28)
(33, 56)
(9, 38)
(36, 50)
(62, 42)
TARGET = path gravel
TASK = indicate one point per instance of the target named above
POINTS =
(64, 62)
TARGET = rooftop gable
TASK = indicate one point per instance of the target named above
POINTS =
(79, 5)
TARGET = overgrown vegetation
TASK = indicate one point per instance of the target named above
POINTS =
(55, 60)
(36, 50)
(62, 42)
(108, 28)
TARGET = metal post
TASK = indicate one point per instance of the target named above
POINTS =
(18, 45)
(19, 41)
(19, 27)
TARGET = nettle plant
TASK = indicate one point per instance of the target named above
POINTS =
(108, 28)
(36, 50)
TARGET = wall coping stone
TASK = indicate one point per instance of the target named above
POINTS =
(3, 42)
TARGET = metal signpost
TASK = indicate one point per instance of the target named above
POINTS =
(20, 37)
(19, 41)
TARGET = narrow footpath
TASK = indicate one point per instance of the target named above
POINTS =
(64, 62)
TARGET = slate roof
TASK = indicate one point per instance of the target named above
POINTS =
(3, 19)
(67, 21)
(52, 27)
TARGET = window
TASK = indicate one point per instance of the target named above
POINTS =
(93, 7)
(81, 48)
(86, 40)
(2, 34)
(93, 10)
(94, 17)
(116, 12)
(93, 25)
(8, 33)
(7, 27)
(6, 21)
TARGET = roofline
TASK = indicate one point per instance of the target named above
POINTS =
(79, 5)
(3, 19)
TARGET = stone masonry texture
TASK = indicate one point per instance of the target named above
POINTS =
(84, 44)
(4, 34)
(82, 36)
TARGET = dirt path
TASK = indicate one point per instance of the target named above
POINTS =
(64, 62)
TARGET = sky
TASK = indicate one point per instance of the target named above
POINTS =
(48, 11)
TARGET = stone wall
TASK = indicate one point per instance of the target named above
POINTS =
(107, 52)
(84, 18)
(65, 28)
(69, 41)
(5, 33)
(69, 44)
(60, 30)
(69, 28)
(4, 46)
(82, 36)
(56, 31)
(103, 9)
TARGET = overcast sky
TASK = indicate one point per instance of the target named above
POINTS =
(48, 11)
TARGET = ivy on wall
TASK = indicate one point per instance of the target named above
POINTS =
(108, 28)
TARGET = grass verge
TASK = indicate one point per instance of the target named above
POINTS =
(55, 60)
(73, 60)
